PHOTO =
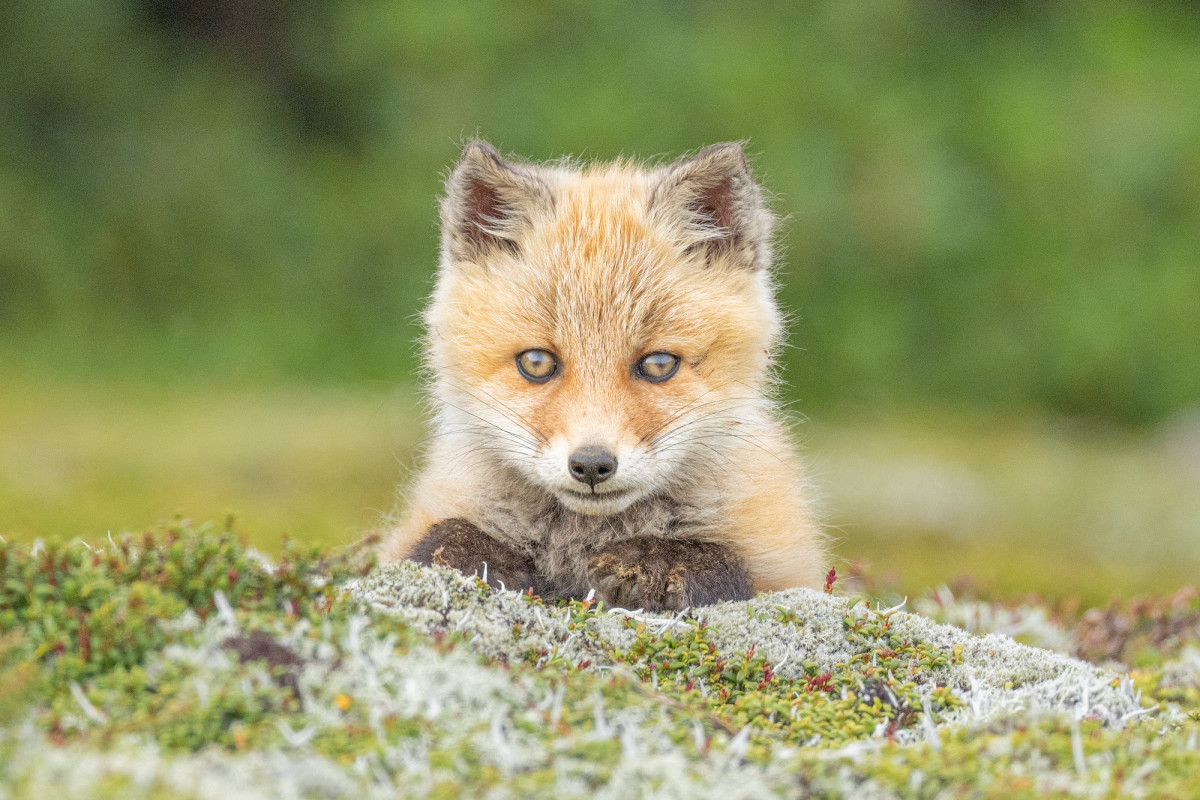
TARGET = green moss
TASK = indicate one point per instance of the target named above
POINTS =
(871, 694)
(85, 612)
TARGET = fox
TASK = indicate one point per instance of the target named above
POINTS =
(600, 358)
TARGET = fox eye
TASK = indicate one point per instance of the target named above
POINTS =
(538, 366)
(658, 367)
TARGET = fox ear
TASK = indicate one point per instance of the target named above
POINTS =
(489, 203)
(714, 205)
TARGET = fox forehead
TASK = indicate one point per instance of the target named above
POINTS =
(596, 280)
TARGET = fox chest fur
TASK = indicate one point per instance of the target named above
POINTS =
(561, 543)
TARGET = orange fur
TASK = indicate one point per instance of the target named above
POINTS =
(601, 266)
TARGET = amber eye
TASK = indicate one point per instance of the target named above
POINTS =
(657, 367)
(538, 366)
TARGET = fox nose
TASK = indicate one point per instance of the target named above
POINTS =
(592, 464)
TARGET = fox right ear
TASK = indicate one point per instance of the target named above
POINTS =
(489, 203)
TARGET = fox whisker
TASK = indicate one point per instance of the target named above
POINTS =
(691, 406)
(483, 420)
(502, 407)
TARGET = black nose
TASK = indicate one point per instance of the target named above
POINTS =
(592, 464)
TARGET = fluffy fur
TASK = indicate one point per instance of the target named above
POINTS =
(601, 265)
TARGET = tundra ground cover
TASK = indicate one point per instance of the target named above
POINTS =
(182, 664)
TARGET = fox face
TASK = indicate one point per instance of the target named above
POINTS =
(601, 334)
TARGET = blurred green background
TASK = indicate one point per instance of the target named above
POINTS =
(217, 223)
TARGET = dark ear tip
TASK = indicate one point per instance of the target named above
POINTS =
(478, 150)
(728, 152)
(720, 147)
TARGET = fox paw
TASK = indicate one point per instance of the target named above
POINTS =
(461, 545)
(667, 574)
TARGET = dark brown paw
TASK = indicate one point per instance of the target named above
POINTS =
(667, 574)
(459, 544)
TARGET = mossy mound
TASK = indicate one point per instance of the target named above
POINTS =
(183, 666)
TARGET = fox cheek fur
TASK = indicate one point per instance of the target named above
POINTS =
(599, 357)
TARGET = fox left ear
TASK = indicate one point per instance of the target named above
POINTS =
(714, 204)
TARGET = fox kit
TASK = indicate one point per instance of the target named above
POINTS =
(599, 349)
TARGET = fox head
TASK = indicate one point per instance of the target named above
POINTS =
(600, 333)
